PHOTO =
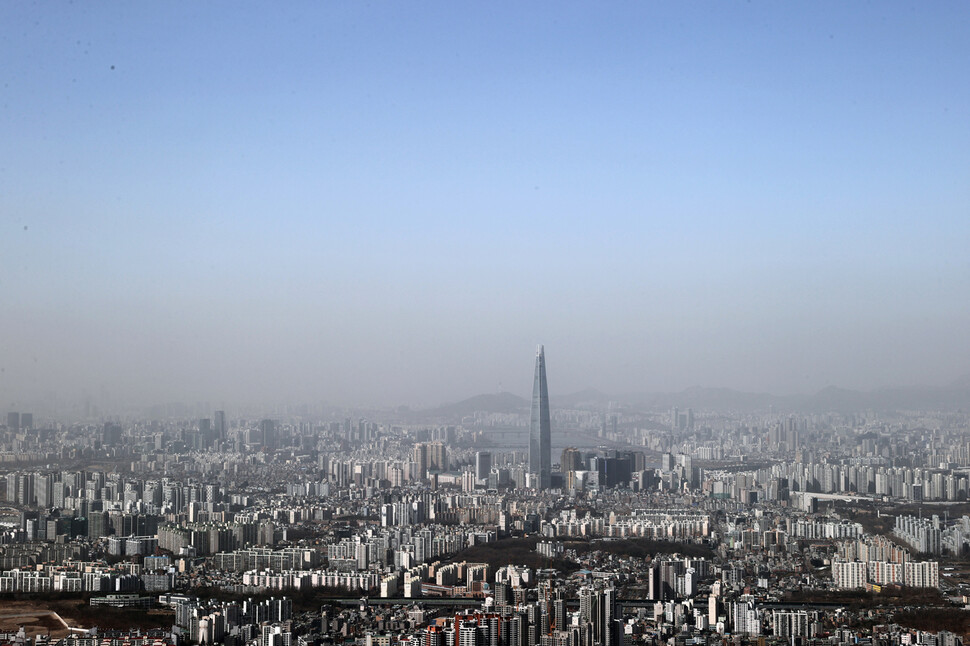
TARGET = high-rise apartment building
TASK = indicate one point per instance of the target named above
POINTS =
(429, 456)
(420, 458)
(437, 456)
(571, 460)
(540, 429)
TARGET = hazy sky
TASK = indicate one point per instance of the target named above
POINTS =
(394, 202)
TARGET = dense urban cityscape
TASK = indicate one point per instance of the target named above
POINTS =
(626, 323)
(677, 526)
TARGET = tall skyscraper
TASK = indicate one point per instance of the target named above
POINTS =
(540, 428)
(220, 425)
(267, 433)
(205, 432)
(483, 465)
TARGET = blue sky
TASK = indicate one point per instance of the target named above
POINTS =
(393, 203)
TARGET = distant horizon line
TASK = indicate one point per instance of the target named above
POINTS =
(958, 384)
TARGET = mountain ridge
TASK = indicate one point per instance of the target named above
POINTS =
(955, 395)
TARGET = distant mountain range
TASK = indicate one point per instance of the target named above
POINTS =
(953, 396)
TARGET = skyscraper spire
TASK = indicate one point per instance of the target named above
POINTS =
(540, 428)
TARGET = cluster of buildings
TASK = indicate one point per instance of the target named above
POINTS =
(655, 527)
(83, 577)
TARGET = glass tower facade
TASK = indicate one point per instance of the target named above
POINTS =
(540, 429)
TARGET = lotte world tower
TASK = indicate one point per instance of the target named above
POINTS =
(540, 440)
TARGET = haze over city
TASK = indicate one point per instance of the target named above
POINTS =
(394, 203)
(484, 324)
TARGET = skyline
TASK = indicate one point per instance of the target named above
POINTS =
(385, 205)
(950, 396)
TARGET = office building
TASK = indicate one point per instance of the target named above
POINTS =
(220, 425)
(267, 433)
(540, 429)
(483, 464)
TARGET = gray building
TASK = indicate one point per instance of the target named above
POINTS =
(220, 425)
(483, 465)
(540, 428)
